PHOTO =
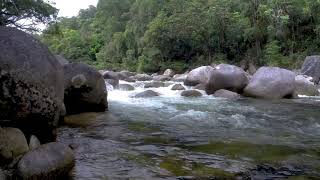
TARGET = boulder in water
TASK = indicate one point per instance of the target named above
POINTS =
(311, 67)
(178, 87)
(34, 143)
(143, 77)
(113, 82)
(201, 87)
(161, 78)
(228, 77)
(200, 75)
(130, 79)
(31, 93)
(191, 93)
(110, 75)
(169, 72)
(126, 87)
(49, 161)
(122, 75)
(154, 84)
(13, 143)
(304, 86)
(146, 94)
(85, 89)
(226, 94)
(179, 77)
(271, 83)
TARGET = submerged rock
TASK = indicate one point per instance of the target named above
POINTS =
(271, 83)
(178, 87)
(126, 87)
(146, 94)
(228, 77)
(191, 93)
(85, 89)
(311, 67)
(200, 75)
(49, 161)
(304, 86)
(13, 143)
(31, 93)
(226, 94)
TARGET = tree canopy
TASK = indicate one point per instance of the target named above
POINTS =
(152, 35)
(26, 14)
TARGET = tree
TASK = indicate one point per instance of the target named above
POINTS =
(26, 14)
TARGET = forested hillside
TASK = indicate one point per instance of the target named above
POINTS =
(152, 35)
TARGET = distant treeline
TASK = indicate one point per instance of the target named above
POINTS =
(152, 35)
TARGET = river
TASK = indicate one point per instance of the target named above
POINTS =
(173, 137)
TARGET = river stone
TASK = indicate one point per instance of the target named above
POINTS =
(154, 84)
(179, 77)
(178, 87)
(304, 86)
(271, 83)
(200, 75)
(85, 89)
(201, 87)
(311, 67)
(34, 142)
(31, 93)
(110, 75)
(146, 94)
(49, 161)
(126, 87)
(61, 59)
(143, 77)
(13, 143)
(161, 78)
(191, 93)
(226, 94)
(228, 77)
(113, 82)
(169, 72)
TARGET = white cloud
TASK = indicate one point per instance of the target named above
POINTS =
(69, 8)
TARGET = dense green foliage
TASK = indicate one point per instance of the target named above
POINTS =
(26, 14)
(152, 35)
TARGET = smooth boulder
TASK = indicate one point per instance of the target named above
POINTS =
(85, 89)
(305, 86)
(311, 67)
(169, 72)
(13, 143)
(161, 78)
(179, 77)
(200, 75)
(178, 87)
(222, 93)
(31, 93)
(227, 77)
(50, 161)
(271, 83)
(113, 82)
(191, 93)
(147, 94)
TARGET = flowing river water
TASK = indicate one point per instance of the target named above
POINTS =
(173, 137)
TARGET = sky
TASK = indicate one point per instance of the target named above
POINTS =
(69, 8)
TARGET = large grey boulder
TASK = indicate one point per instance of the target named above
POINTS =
(13, 144)
(147, 94)
(85, 89)
(271, 83)
(222, 93)
(31, 92)
(191, 93)
(179, 77)
(200, 75)
(143, 77)
(113, 82)
(169, 72)
(305, 86)
(311, 67)
(228, 77)
(110, 75)
(50, 161)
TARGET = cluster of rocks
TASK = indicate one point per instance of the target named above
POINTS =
(37, 91)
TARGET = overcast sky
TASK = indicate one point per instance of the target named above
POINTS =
(69, 8)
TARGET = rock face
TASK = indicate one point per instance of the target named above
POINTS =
(226, 94)
(85, 89)
(304, 86)
(228, 77)
(31, 93)
(49, 161)
(311, 67)
(126, 87)
(177, 87)
(143, 77)
(271, 83)
(169, 72)
(199, 75)
(191, 93)
(146, 94)
(154, 84)
(13, 143)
